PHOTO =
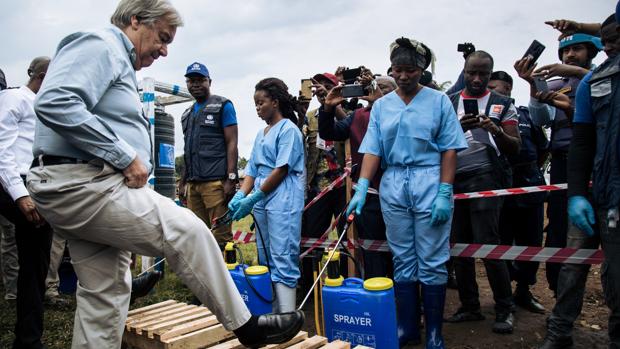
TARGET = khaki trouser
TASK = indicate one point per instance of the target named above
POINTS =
(103, 221)
(208, 201)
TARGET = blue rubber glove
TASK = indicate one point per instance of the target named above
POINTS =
(233, 205)
(581, 214)
(359, 198)
(246, 204)
(442, 206)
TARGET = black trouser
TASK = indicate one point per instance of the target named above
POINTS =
(370, 225)
(521, 224)
(315, 221)
(33, 249)
(557, 211)
(477, 221)
(573, 277)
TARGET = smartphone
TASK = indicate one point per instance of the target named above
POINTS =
(350, 75)
(306, 89)
(471, 106)
(534, 51)
(541, 84)
(354, 90)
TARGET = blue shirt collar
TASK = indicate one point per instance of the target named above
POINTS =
(129, 47)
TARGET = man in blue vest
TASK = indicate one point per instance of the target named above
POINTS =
(595, 151)
(210, 133)
(522, 216)
(491, 134)
(576, 52)
(596, 100)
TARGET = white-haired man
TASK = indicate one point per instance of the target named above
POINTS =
(92, 160)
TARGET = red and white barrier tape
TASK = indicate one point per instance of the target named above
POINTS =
(318, 241)
(335, 184)
(505, 252)
(510, 191)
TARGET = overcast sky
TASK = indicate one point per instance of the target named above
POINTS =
(244, 41)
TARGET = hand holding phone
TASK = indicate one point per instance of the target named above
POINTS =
(470, 106)
(306, 89)
(534, 51)
(541, 84)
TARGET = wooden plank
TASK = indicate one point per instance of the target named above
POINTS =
(337, 344)
(199, 339)
(139, 342)
(161, 328)
(310, 343)
(153, 312)
(139, 324)
(187, 328)
(150, 307)
(235, 344)
(155, 324)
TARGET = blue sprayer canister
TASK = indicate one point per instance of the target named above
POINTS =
(253, 283)
(361, 312)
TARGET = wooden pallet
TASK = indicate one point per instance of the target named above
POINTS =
(175, 325)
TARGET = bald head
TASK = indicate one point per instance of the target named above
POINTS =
(37, 66)
(36, 72)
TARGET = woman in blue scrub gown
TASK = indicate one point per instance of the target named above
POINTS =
(275, 175)
(414, 134)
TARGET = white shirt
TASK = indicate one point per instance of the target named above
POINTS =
(17, 121)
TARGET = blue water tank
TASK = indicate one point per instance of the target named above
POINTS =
(361, 312)
(260, 280)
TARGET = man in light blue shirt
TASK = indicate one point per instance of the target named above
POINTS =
(92, 159)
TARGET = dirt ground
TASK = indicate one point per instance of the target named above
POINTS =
(590, 329)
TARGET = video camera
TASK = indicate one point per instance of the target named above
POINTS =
(466, 48)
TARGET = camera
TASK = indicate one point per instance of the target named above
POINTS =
(466, 48)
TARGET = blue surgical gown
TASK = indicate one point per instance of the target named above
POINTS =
(410, 139)
(278, 215)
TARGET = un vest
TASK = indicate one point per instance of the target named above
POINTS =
(501, 168)
(529, 146)
(205, 146)
(605, 92)
(561, 131)
(480, 134)
(525, 170)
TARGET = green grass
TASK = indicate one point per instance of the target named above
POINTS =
(58, 325)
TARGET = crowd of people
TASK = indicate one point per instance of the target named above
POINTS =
(75, 158)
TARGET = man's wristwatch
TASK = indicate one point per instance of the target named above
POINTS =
(232, 176)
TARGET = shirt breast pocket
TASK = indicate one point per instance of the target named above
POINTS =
(601, 95)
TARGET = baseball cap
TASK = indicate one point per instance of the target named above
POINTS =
(328, 77)
(197, 68)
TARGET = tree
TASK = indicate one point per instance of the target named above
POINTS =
(179, 166)
(242, 162)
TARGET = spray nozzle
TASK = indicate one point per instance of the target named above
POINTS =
(230, 254)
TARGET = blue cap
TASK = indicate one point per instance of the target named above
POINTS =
(580, 38)
(197, 68)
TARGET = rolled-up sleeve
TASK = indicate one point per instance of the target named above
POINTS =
(541, 114)
(78, 77)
